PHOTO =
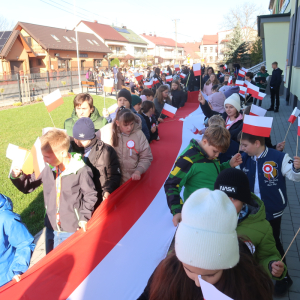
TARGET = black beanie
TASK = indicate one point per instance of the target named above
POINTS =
(235, 184)
(84, 129)
(126, 94)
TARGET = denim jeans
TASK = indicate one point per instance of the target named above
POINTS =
(59, 237)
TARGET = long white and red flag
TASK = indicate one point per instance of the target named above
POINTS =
(259, 126)
(197, 69)
(294, 115)
(125, 239)
(257, 111)
(53, 100)
(169, 110)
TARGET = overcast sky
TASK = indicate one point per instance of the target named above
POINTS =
(195, 17)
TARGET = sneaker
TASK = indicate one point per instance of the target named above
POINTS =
(276, 110)
(282, 286)
(270, 109)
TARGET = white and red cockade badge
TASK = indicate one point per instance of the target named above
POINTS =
(268, 169)
(130, 145)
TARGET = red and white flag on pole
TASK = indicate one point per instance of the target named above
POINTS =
(244, 69)
(241, 73)
(257, 111)
(229, 80)
(197, 69)
(38, 159)
(225, 67)
(169, 78)
(260, 96)
(252, 89)
(194, 130)
(243, 90)
(53, 100)
(138, 76)
(294, 115)
(240, 82)
(177, 68)
(108, 85)
(149, 84)
(298, 131)
(259, 126)
(210, 292)
(169, 110)
(182, 75)
(155, 81)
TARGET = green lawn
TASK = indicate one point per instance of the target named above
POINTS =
(21, 126)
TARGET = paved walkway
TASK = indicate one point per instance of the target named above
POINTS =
(291, 216)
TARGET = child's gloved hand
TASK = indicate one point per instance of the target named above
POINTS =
(277, 268)
(136, 175)
(83, 225)
(16, 172)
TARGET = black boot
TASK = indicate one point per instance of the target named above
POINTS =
(276, 109)
(270, 109)
(282, 286)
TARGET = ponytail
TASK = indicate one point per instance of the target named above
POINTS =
(124, 116)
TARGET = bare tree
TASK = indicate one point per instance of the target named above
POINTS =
(244, 14)
(6, 24)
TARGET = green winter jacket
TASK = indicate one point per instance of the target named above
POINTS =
(99, 121)
(262, 85)
(258, 230)
(194, 171)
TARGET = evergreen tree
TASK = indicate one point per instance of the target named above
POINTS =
(237, 50)
(256, 52)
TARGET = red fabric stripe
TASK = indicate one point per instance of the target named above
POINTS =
(292, 119)
(55, 104)
(197, 73)
(58, 274)
(167, 113)
(255, 130)
(298, 132)
(252, 114)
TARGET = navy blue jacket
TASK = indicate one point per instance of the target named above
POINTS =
(271, 179)
(276, 78)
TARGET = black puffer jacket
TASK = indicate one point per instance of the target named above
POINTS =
(178, 98)
(104, 162)
(276, 78)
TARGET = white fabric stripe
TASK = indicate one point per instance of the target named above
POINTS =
(298, 121)
(124, 272)
(258, 110)
(54, 96)
(40, 158)
(196, 67)
(258, 121)
(170, 108)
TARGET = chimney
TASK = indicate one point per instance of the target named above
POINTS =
(95, 21)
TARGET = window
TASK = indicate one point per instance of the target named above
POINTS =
(39, 62)
(118, 48)
(98, 63)
(110, 47)
(210, 58)
(67, 39)
(95, 42)
(56, 38)
(205, 49)
(90, 41)
(179, 52)
(211, 49)
(73, 39)
(61, 63)
(28, 40)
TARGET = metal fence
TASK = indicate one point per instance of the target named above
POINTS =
(39, 84)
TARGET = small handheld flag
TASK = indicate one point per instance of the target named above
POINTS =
(243, 90)
(53, 100)
(38, 160)
(169, 78)
(229, 80)
(259, 126)
(294, 115)
(108, 85)
(182, 75)
(149, 84)
(260, 96)
(252, 89)
(176, 67)
(257, 111)
(197, 69)
(169, 110)
(240, 82)
(225, 67)
(241, 73)
(194, 130)
(112, 108)
(138, 76)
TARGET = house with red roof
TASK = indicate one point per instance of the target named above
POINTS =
(209, 49)
(125, 45)
(163, 50)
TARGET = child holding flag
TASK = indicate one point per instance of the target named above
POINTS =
(124, 134)
(179, 97)
(68, 187)
(161, 97)
(198, 167)
(207, 246)
(266, 170)
(147, 112)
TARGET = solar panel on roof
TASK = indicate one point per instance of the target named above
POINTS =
(121, 30)
(4, 35)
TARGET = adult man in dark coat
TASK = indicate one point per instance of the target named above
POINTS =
(275, 86)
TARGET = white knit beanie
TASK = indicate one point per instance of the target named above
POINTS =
(206, 237)
(234, 100)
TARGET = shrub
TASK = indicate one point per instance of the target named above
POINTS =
(39, 98)
(114, 62)
(17, 104)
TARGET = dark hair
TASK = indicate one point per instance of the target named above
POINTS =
(233, 80)
(124, 116)
(250, 74)
(159, 92)
(275, 63)
(146, 106)
(80, 98)
(147, 92)
(246, 281)
(210, 68)
(251, 138)
(215, 87)
(157, 71)
(178, 84)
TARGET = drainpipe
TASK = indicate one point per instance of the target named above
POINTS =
(291, 58)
